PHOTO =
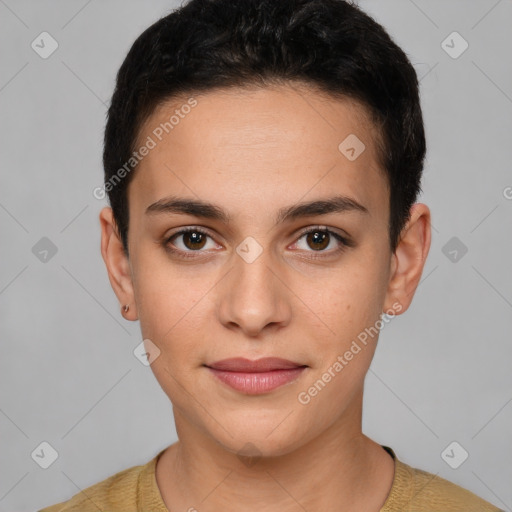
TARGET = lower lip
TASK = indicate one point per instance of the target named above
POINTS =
(257, 383)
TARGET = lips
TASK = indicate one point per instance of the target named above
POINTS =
(266, 364)
(256, 377)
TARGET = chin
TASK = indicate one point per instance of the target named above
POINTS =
(259, 441)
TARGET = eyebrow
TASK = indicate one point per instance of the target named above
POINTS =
(198, 208)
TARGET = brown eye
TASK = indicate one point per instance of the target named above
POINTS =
(318, 240)
(194, 240)
(189, 241)
(323, 241)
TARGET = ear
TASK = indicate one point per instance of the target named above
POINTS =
(408, 260)
(118, 265)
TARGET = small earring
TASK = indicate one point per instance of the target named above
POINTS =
(126, 307)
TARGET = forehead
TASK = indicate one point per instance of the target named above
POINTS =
(261, 145)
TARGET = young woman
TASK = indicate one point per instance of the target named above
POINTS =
(262, 161)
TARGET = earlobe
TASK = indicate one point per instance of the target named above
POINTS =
(409, 258)
(118, 266)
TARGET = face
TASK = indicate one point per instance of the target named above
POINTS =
(254, 276)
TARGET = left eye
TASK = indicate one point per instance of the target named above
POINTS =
(320, 239)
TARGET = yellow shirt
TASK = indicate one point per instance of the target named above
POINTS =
(135, 490)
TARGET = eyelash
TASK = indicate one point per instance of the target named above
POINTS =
(345, 242)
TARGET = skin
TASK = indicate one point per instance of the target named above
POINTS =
(253, 151)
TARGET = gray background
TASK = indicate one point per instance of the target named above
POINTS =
(68, 374)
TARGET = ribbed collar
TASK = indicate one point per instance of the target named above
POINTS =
(148, 492)
(401, 490)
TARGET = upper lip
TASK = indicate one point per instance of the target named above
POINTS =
(265, 364)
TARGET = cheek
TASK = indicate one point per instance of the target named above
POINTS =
(171, 306)
(344, 304)
(161, 298)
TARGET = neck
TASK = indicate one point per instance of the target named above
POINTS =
(341, 469)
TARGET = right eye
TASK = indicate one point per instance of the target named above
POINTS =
(193, 239)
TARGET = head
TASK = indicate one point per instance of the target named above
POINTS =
(251, 124)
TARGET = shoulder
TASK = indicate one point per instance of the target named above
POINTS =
(421, 491)
(118, 490)
(439, 494)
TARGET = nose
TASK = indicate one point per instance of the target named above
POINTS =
(253, 296)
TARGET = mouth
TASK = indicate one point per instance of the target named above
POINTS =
(266, 364)
(256, 377)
